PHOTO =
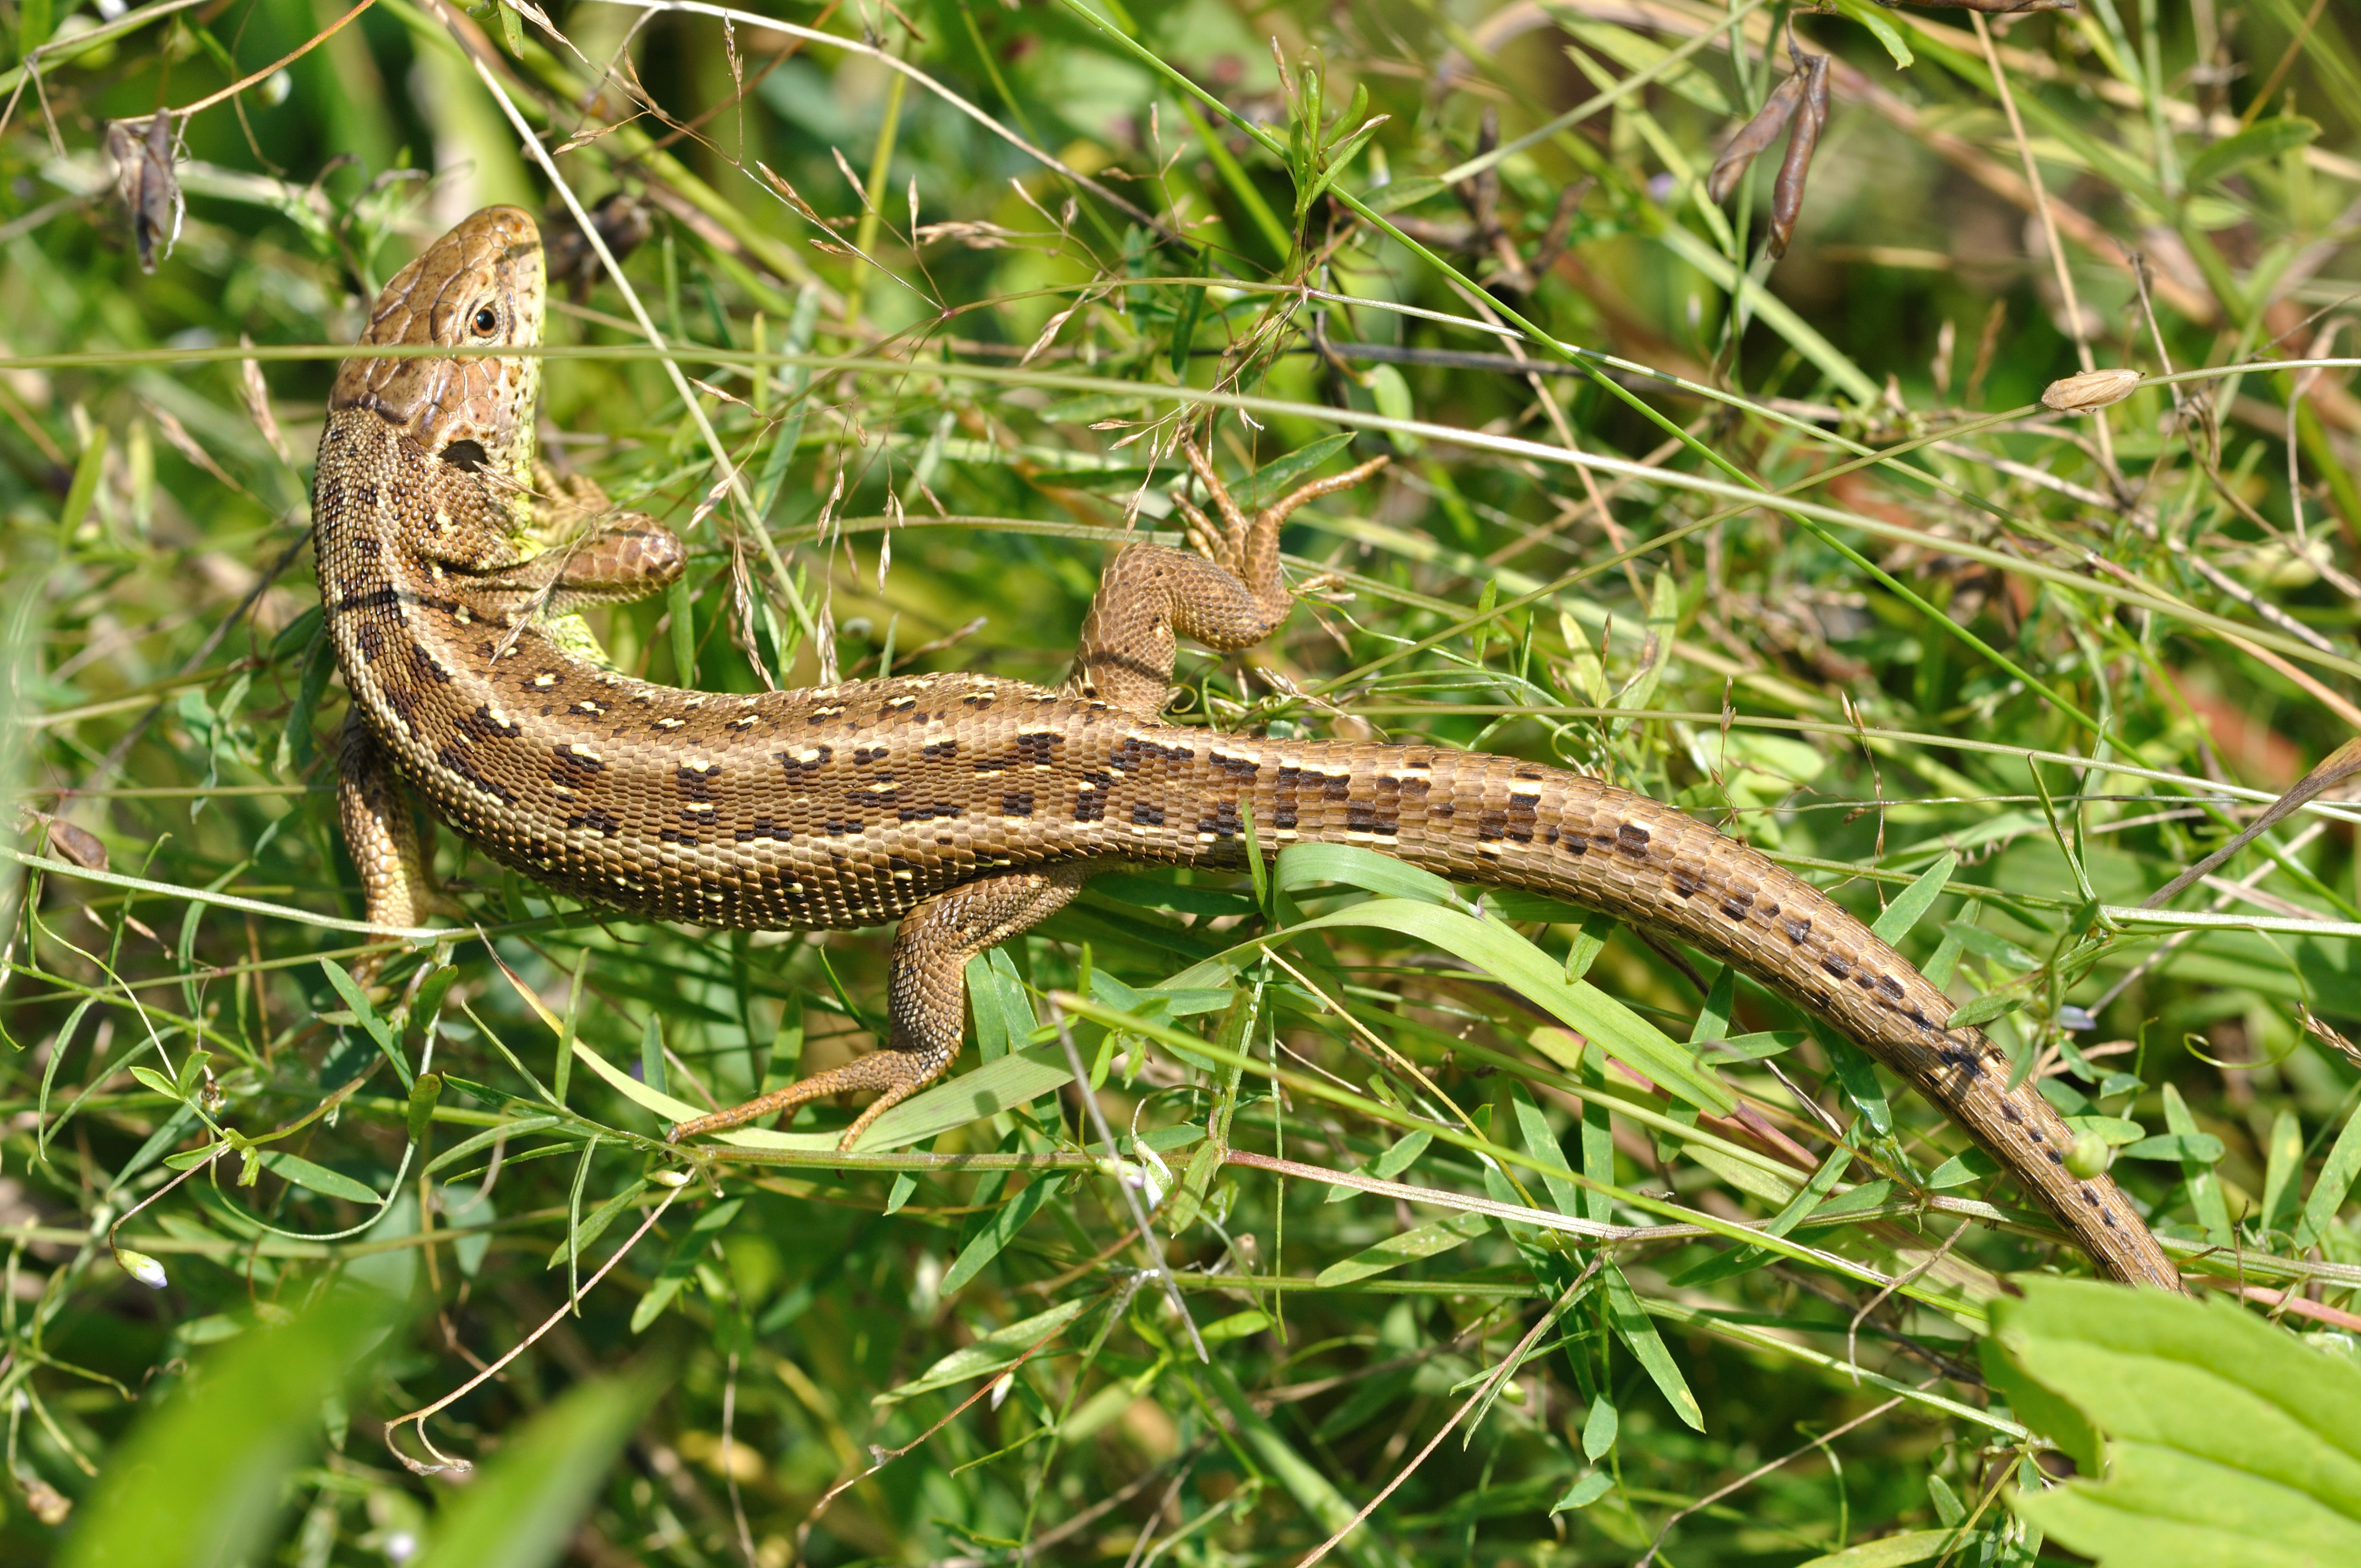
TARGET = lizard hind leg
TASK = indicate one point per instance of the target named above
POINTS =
(1227, 594)
(927, 997)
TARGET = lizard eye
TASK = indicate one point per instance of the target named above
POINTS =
(488, 321)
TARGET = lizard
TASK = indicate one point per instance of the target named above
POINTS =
(966, 808)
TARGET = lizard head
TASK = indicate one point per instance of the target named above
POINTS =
(480, 286)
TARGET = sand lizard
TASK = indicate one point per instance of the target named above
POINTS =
(966, 807)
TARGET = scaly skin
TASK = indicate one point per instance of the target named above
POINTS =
(966, 807)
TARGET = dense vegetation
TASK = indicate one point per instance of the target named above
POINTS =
(1726, 482)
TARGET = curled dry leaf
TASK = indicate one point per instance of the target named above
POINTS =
(257, 395)
(2091, 390)
(150, 192)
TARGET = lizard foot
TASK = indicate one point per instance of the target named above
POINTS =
(896, 1074)
(1231, 543)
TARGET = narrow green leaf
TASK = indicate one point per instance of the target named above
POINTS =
(2283, 1167)
(1962, 1168)
(1856, 1073)
(988, 1353)
(2263, 140)
(1593, 1485)
(366, 1016)
(1393, 196)
(1425, 1241)
(652, 1055)
(1912, 902)
(1278, 476)
(1881, 28)
(1982, 1010)
(318, 1178)
(1637, 1333)
(2194, 1148)
(998, 1232)
(203, 1477)
(2336, 1178)
(528, 1502)
(1304, 865)
(1503, 953)
(578, 1241)
(1895, 1550)
(681, 1265)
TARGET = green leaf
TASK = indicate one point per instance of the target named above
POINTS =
(2263, 140)
(365, 1014)
(1858, 1074)
(2042, 1411)
(1912, 901)
(1399, 193)
(1633, 52)
(1278, 476)
(2230, 1441)
(2115, 1130)
(1525, 969)
(1424, 1241)
(2200, 1148)
(1982, 1011)
(204, 1473)
(998, 1232)
(2335, 1181)
(1237, 1325)
(595, 1224)
(989, 1353)
(1598, 1429)
(528, 1502)
(1303, 865)
(1891, 1551)
(318, 1178)
(157, 1081)
(1637, 1333)
(1594, 1484)
(1962, 1168)
(1887, 33)
(682, 1263)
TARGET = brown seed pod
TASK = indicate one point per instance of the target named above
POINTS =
(1754, 138)
(1803, 139)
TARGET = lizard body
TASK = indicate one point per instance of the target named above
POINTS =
(966, 806)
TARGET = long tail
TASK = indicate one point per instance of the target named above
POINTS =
(1500, 821)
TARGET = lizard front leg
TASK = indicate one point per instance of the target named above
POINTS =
(1227, 594)
(925, 997)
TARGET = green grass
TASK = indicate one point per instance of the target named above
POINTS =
(1789, 543)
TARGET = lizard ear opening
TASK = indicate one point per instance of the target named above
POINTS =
(465, 455)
